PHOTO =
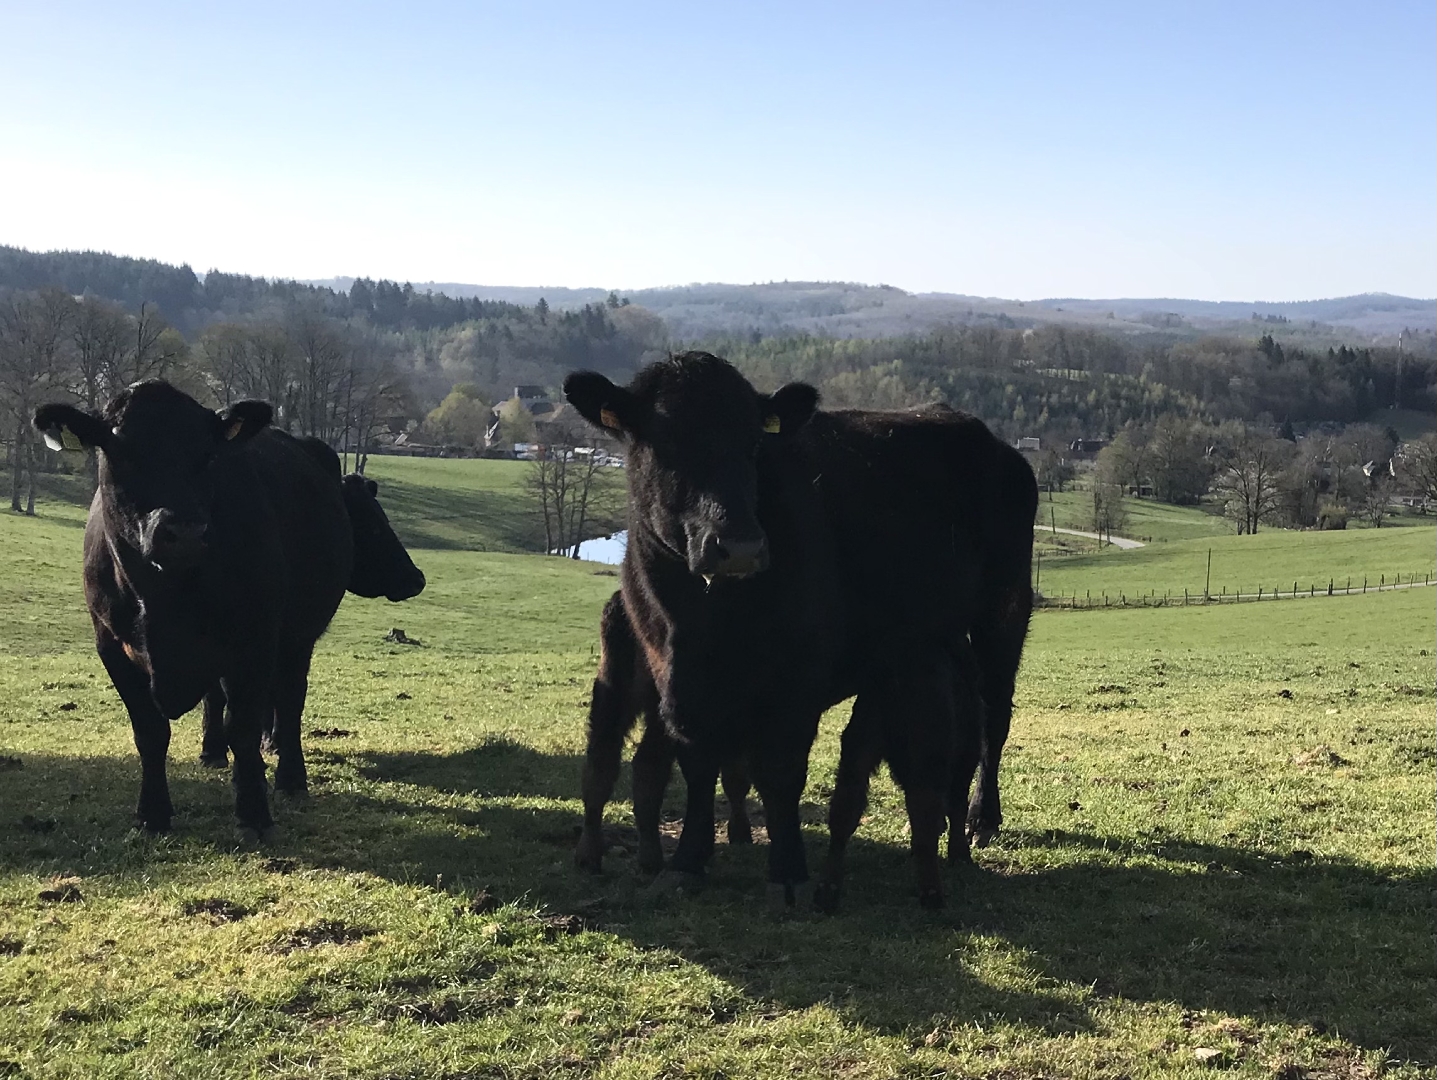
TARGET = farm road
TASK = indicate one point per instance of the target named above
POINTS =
(1117, 541)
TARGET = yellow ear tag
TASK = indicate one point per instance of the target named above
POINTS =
(771, 425)
(609, 419)
(236, 426)
(70, 440)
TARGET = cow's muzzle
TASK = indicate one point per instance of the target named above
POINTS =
(413, 585)
(732, 556)
(172, 544)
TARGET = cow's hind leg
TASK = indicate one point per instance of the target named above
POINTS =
(921, 738)
(214, 750)
(861, 753)
(781, 770)
(151, 731)
(249, 703)
(291, 777)
(736, 786)
(998, 645)
(610, 717)
(653, 764)
(970, 713)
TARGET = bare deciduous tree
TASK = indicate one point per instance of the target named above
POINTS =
(1250, 481)
(1417, 467)
(575, 493)
(34, 362)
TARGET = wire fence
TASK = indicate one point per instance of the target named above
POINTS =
(1087, 600)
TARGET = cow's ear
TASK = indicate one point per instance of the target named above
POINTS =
(602, 403)
(245, 419)
(371, 487)
(68, 428)
(788, 408)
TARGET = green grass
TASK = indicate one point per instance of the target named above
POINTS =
(1191, 859)
(468, 504)
(1269, 559)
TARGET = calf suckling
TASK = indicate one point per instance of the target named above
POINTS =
(215, 554)
(782, 559)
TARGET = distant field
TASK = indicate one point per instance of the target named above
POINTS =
(1271, 559)
(1408, 423)
(468, 504)
(458, 504)
(1146, 519)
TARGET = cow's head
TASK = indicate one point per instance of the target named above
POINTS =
(156, 447)
(694, 428)
(381, 565)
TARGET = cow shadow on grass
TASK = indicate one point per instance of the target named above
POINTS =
(1038, 943)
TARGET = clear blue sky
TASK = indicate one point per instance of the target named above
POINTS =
(1219, 151)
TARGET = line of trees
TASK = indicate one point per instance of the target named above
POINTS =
(1261, 475)
(1064, 383)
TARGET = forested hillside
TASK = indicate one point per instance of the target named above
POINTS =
(347, 363)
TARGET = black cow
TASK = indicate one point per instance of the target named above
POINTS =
(211, 556)
(888, 540)
(742, 660)
(382, 567)
(624, 690)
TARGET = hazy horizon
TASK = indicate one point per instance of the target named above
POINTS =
(1282, 151)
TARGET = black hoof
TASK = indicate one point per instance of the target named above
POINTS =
(250, 838)
(589, 856)
(155, 826)
(825, 897)
(672, 882)
(215, 761)
(740, 833)
(786, 897)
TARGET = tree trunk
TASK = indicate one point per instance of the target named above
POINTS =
(16, 463)
(30, 479)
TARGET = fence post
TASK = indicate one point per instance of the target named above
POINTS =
(1364, 584)
(1185, 596)
(1381, 582)
(1294, 590)
(1207, 583)
(1329, 586)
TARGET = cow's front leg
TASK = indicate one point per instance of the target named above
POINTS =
(151, 731)
(249, 703)
(696, 841)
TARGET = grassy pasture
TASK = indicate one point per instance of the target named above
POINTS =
(463, 504)
(1271, 559)
(1155, 520)
(1218, 837)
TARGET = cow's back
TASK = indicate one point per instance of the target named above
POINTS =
(312, 529)
(930, 509)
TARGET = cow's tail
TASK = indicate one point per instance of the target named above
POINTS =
(1000, 625)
